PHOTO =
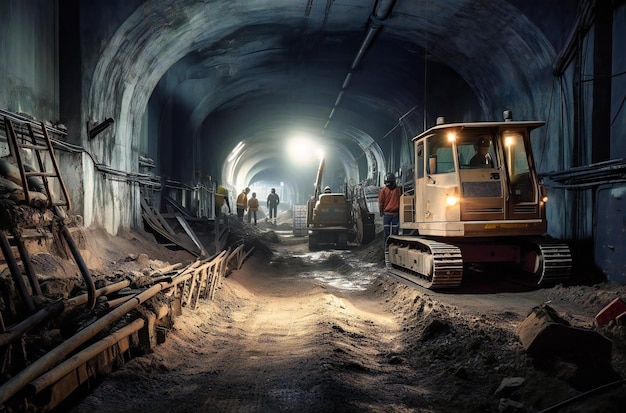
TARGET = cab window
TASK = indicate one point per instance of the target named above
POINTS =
(419, 155)
(476, 151)
(440, 155)
(518, 169)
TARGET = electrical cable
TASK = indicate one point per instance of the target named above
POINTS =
(564, 403)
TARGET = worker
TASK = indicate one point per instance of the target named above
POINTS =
(253, 207)
(482, 159)
(242, 203)
(327, 190)
(221, 198)
(389, 205)
(272, 204)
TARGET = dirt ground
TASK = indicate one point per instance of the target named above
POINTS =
(330, 331)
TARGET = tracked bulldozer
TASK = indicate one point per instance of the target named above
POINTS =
(474, 200)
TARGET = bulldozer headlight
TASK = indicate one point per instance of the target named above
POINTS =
(544, 199)
(452, 200)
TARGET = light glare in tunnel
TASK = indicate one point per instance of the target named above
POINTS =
(303, 149)
(235, 151)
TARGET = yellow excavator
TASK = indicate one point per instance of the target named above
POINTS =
(474, 199)
(336, 218)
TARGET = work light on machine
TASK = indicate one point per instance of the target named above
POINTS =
(452, 200)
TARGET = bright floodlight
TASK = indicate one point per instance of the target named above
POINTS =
(303, 149)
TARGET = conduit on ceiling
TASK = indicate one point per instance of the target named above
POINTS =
(380, 14)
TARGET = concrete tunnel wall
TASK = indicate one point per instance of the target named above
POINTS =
(607, 203)
(117, 149)
(28, 63)
(125, 52)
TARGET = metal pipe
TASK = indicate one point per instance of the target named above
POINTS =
(589, 185)
(17, 382)
(91, 287)
(82, 299)
(117, 301)
(166, 269)
(15, 272)
(611, 164)
(34, 320)
(22, 119)
(82, 357)
(28, 266)
(581, 26)
(381, 11)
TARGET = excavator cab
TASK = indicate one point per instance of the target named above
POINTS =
(476, 199)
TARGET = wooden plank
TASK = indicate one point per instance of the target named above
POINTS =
(157, 216)
(192, 235)
(177, 206)
(156, 226)
(172, 215)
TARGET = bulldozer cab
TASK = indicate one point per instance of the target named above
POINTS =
(476, 201)
(472, 177)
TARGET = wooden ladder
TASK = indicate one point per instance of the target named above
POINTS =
(22, 137)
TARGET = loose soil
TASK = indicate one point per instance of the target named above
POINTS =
(330, 331)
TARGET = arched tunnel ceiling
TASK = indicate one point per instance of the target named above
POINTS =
(255, 71)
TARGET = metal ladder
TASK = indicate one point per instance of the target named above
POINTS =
(23, 136)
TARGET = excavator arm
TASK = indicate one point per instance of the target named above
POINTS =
(318, 179)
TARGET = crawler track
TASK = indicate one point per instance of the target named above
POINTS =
(428, 263)
(556, 263)
(437, 265)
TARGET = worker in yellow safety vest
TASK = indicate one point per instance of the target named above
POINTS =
(221, 198)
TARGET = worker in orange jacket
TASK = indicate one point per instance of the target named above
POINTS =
(253, 207)
(389, 205)
(242, 203)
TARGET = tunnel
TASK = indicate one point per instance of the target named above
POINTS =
(151, 106)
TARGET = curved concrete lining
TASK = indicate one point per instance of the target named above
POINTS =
(503, 57)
